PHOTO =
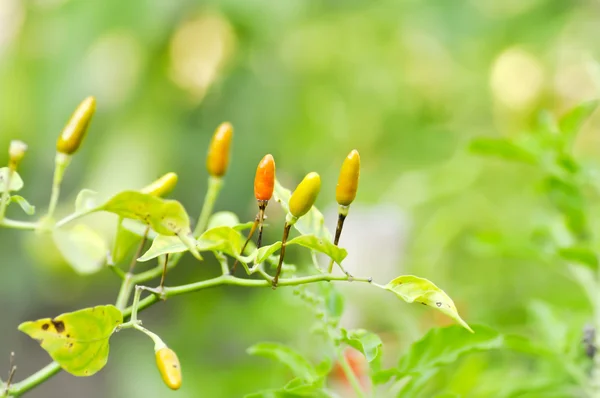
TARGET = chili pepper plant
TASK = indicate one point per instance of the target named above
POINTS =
(78, 342)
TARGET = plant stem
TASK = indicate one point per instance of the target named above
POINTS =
(351, 376)
(214, 187)
(72, 217)
(125, 291)
(61, 162)
(286, 233)
(25, 225)
(34, 380)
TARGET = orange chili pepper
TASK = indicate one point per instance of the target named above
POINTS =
(218, 150)
(264, 181)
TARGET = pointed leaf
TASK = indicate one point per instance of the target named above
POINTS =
(82, 248)
(16, 183)
(311, 223)
(502, 148)
(321, 245)
(443, 346)
(420, 290)
(579, 254)
(299, 365)
(21, 201)
(78, 341)
(571, 123)
(265, 252)
(162, 245)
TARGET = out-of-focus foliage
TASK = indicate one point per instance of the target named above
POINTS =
(407, 83)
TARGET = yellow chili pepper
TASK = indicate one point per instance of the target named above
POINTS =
(161, 187)
(301, 202)
(74, 132)
(305, 195)
(218, 150)
(169, 368)
(347, 185)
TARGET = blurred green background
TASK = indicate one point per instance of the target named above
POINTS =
(407, 83)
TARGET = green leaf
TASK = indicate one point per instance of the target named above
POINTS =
(224, 239)
(82, 248)
(265, 252)
(501, 147)
(313, 223)
(21, 201)
(571, 122)
(163, 245)
(420, 290)
(166, 217)
(366, 342)
(16, 183)
(580, 255)
(443, 346)
(321, 245)
(78, 341)
(220, 239)
(299, 365)
(86, 200)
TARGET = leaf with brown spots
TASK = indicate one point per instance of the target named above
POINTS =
(78, 341)
(413, 289)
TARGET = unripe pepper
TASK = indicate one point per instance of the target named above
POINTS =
(74, 132)
(16, 153)
(264, 181)
(305, 195)
(345, 192)
(347, 185)
(218, 150)
(161, 187)
(301, 201)
(169, 367)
